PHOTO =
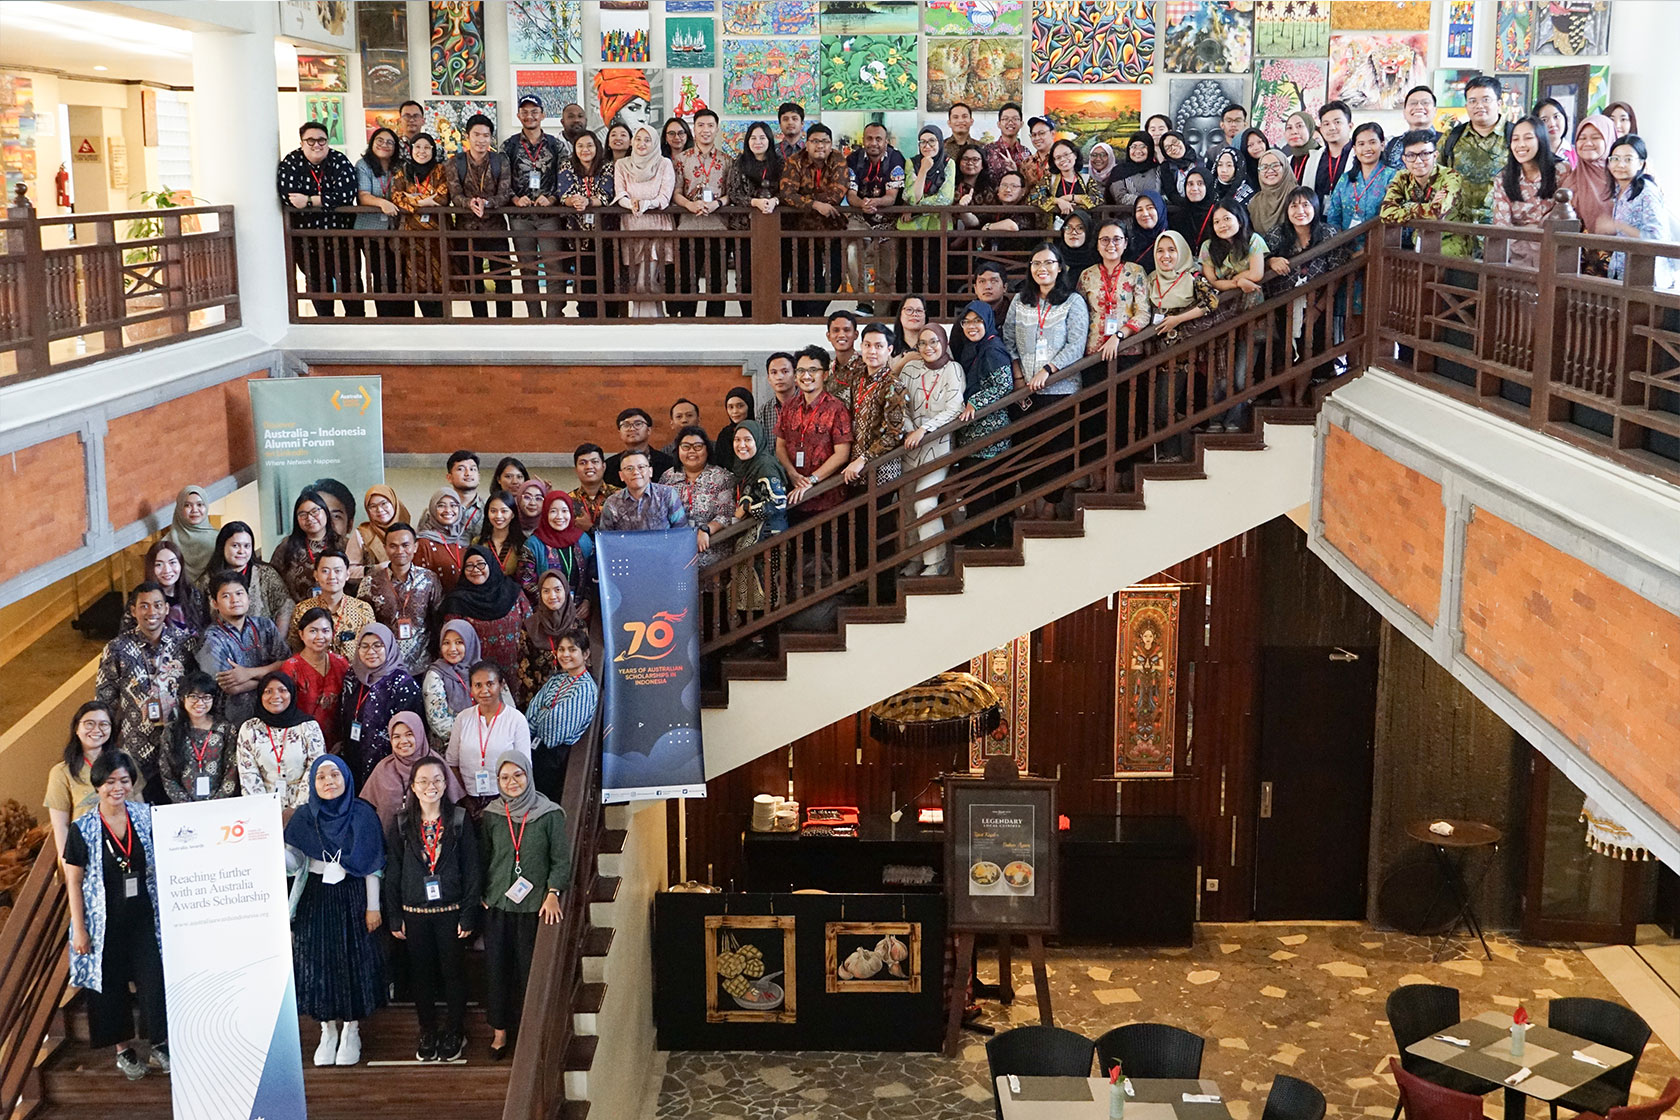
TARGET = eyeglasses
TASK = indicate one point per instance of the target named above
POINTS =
(1481, 102)
(1623, 160)
(316, 142)
(632, 424)
(474, 566)
(1046, 264)
(429, 783)
(1418, 156)
(691, 445)
(1111, 241)
(928, 342)
(197, 698)
(809, 369)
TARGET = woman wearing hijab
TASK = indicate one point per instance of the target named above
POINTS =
(1149, 220)
(312, 534)
(441, 547)
(530, 497)
(191, 533)
(278, 745)
(1302, 146)
(528, 868)
(988, 377)
(1229, 180)
(561, 710)
(433, 883)
(558, 543)
(1176, 161)
(1594, 198)
(377, 688)
(555, 616)
(236, 551)
(491, 603)
(1179, 296)
(1137, 173)
(336, 963)
(935, 382)
(1193, 217)
(643, 184)
(1078, 241)
(418, 189)
(738, 405)
(384, 509)
(1265, 209)
(761, 498)
(446, 688)
(387, 786)
(189, 607)
(1100, 163)
(930, 180)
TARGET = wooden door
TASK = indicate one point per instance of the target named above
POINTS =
(1570, 892)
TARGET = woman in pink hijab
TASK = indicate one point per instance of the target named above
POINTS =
(1592, 184)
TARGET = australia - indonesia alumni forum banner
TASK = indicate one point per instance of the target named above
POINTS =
(227, 961)
(650, 614)
(309, 428)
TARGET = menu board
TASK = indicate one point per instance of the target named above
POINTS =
(1001, 854)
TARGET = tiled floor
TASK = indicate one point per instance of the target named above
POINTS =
(1305, 1000)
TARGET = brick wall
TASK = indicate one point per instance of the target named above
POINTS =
(1387, 519)
(152, 453)
(510, 409)
(1596, 660)
(43, 503)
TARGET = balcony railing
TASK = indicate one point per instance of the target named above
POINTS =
(83, 288)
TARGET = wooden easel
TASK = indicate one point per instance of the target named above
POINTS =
(1006, 981)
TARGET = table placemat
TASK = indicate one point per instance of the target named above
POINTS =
(1532, 1055)
(1168, 1090)
(1547, 1053)
(1053, 1089)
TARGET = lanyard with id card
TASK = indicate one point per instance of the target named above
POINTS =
(434, 848)
(123, 850)
(521, 885)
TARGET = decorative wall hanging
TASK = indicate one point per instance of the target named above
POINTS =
(1567, 84)
(447, 120)
(944, 711)
(1512, 24)
(1572, 27)
(328, 109)
(974, 17)
(1374, 69)
(626, 30)
(769, 17)
(633, 95)
(1458, 40)
(322, 73)
(869, 72)
(750, 969)
(555, 86)
(379, 118)
(1513, 96)
(981, 73)
(1087, 116)
(690, 42)
(873, 956)
(326, 22)
(382, 31)
(1194, 105)
(688, 92)
(1608, 837)
(673, 7)
(1093, 42)
(1292, 28)
(1008, 668)
(869, 17)
(458, 48)
(1379, 15)
(1286, 85)
(1207, 36)
(1146, 682)
(760, 74)
(545, 30)
(1598, 89)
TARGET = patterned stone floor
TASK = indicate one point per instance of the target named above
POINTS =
(1301, 999)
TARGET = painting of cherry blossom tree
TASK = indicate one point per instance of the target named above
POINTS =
(1283, 86)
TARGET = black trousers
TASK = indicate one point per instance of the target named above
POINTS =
(696, 261)
(509, 940)
(999, 532)
(548, 769)
(436, 962)
(816, 269)
(130, 954)
(1055, 457)
(330, 266)
(472, 259)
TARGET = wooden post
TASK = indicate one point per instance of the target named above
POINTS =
(959, 981)
(35, 358)
(1549, 321)
(766, 233)
(172, 263)
(1041, 979)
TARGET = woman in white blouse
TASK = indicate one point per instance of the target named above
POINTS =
(935, 383)
(278, 745)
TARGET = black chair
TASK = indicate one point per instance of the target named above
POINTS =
(1037, 1052)
(1151, 1050)
(1607, 1023)
(1291, 1098)
(1417, 1011)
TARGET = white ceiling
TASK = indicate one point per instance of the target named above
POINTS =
(37, 35)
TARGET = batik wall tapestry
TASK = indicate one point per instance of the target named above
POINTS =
(974, 17)
(760, 74)
(382, 30)
(1374, 69)
(555, 86)
(545, 31)
(1291, 28)
(328, 109)
(1093, 42)
(1146, 682)
(869, 17)
(633, 95)
(447, 120)
(869, 72)
(1287, 85)
(690, 42)
(1458, 40)
(688, 92)
(769, 17)
(1379, 15)
(323, 73)
(626, 31)
(1572, 27)
(1087, 116)
(1194, 105)
(1207, 36)
(749, 969)
(1008, 669)
(458, 48)
(981, 73)
(1512, 25)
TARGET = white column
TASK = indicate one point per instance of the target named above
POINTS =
(236, 142)
(1642, 38)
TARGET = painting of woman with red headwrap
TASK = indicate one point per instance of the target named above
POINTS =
(628, 95)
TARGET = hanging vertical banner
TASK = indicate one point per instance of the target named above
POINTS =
(650, 615)
(1146, 683)
(227, 960)
(1008, 668)
(309, 428)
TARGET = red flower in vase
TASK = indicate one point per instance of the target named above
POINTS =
(1520, 1018)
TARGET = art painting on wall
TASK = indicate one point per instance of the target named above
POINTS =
(769, 17)
(327, 108)
(447, 121)
(1598, 89)
(873, 956)
(1287, 85)
(1146, 682)
(750, 969)
(974, 17)
(549, 31)
(1379, 15)
(689, 92)
(323, 73)
(760, 74)
(1291, 28)
(1458, 38)
(382, 30)
(869, 17)
(626, 31)
(380, 118)
(1374, 69)
(1194, 105)
(690, 42)
(1008, 668)
(981, 73)
(1513, 97)
(631, 94)
(1093, 42)
(1572, 27)
(1207, 36)
(685, 7)
(901, 126)
(870, 72)
(555, 86)
(1513, 26)
(326, 22)
(457, 35)
(1450, 106)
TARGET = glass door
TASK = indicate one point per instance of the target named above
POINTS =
(1572, 893)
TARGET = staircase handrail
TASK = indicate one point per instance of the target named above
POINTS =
(34, 975)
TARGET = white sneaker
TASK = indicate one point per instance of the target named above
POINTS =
(350, 1044)
(328, 1050)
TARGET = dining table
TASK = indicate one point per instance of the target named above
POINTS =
(1086, 1098)
(1552, 1064)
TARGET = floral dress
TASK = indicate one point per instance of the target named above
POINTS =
(710, 497)
(422, 257)
(1649, 214)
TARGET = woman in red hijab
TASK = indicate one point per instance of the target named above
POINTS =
(559, 543)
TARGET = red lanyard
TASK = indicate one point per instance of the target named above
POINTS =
(530, 156)
(816, 177)
(362, 694)
(1161, 293)
(316, 175)
(1110, 289)
(431, 839)
(712, 166)
(1065, 189)
(309, 552)
(199, 749)
(1338, 164)
(1201, 230)
(927, 394)
(124, 847)
(1359, 192)
(484, 733)
(279, 751)
(1043, 316)
(517, 840)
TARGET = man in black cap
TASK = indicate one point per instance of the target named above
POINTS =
(535, 158)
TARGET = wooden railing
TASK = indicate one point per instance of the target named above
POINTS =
(1592, 361)
(34, 974)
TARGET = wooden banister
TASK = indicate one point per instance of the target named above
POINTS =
(34, 974)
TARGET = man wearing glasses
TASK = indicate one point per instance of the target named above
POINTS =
(314, 180)
(1423, 192)
(411, 122)
(1477, 149)
(635, 431)
(643, 503)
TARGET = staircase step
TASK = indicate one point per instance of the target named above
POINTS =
(612, 841)
(580, 1053)
(606, 888)
(574, 1110)
(812, 642)
(990, 557)
(1053, 529)
(598, 941)
(589, 1000)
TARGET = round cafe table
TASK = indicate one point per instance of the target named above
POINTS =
(1452, 852)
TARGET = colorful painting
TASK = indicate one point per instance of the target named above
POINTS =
(1207, 36)
(682, 7)
(688, 92)
(1286, 85)
(901, 127)
(732, 133)
(626, 31)
(458, 48)
(17, 131)
(750, 969)
(1458, 41)
(873, 957)
(447, 120)
(1292, 28)
(769, 17)
(1146, 682)
(380, 118)
(1380, 15)
(982, 73)
(869, 17)
(323, 73)
(1008, 668)
(1374, 69)
(691, 42)
(1087, 116)
(870, 72)
(382, 29)
(1450, 107)
(1093, 42)
(555, 86)
(1513, 96)
(632, 94)
(1512, 43)
(1598, 89)
(326, 22)
(1194, 106)
(1572, 27)
(759, 75)
(327, 108)
(548, 31)
(974, 17)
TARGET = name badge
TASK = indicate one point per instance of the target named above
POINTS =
(484, 783)
(799, 459)
(131, 886)
(434, 889)
(405, 629)
(201, 787)
(314, 590)
(706, 195)
(332, 873)
(589, 221)
(1111, 325)
(1041, 355)
(154, 710)
(534, 180)
(521, 887)
(356, 731)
